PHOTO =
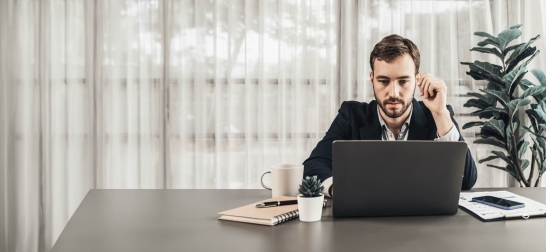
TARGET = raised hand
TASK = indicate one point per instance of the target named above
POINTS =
(433, 93)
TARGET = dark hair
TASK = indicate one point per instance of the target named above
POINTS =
(394, 46)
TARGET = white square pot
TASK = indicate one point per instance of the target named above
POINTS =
(310, 209)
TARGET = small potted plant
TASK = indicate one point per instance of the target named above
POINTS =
(310, 199)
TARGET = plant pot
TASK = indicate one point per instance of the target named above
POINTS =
(310, 209)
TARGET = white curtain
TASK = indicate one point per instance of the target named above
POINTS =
(200, 94)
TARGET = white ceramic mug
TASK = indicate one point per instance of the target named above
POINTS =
(285, 179)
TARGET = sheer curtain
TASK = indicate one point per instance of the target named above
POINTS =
(200, 94)
(154, 94)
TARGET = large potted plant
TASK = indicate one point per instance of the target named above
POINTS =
(310, 199)
(506, 93)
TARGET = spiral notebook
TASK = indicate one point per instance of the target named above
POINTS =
(269, 216)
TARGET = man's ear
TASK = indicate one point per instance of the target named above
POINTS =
(417, 76)
(371, 78)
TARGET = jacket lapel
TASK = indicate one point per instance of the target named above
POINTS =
(418, 129)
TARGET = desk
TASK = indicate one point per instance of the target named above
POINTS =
(186, 220)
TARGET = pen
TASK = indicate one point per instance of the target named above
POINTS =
(276, 203)
(523, 215)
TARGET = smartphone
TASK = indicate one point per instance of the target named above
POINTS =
(498, 202)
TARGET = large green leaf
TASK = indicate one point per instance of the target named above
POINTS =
(541, 105)
(523, 148)
(493, 51)
(503, 157)
(510, 48)
(514, 62)
(496, 85)
(476, 75)
(507, 36)
(472, 124)
(532, 51)
(508, 135)
(488, 115)
(539, 150)
(516, 123)
(520, 50)
(542, 143)
(529, 130)
(533, 91)
(478, 95)
(540, 76)
(541, 114)
(486, 132)
(524, 164)
(484, 76)
(531, 58)
(542, 168)
(498, 167)
(489, 42)
(510, 76)
(486, 67)
(495, 111)
(515, 83)
(501, 96)
(487, 159)
(536, 114)
(491, 141)
(485, 35)
(477, 103)
(525, 84)
(515, 104)
(513, 78)
(509, 168)
(496, 126)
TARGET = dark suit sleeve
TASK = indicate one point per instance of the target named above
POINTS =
(470, 173)
(320, 161)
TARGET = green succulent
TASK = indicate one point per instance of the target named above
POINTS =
(505, 94)
(311, 187)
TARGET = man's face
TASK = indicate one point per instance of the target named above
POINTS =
(394, 85)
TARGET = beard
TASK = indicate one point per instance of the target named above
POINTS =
(395, 112)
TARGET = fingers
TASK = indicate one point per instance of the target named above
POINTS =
(426, 91)
(420, 83)
(429, 86)
(424, 85)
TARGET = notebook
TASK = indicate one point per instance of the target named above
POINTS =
(269, 216)
(483, 212)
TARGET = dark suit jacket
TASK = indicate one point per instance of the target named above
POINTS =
(359, 121)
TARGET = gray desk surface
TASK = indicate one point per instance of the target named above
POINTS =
(186, 220)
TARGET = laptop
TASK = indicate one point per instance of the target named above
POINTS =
(396, 178)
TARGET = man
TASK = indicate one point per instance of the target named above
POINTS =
(394, 114)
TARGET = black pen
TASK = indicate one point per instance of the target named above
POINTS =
(276, 203)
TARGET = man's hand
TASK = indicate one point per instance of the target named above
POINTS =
(434, 95)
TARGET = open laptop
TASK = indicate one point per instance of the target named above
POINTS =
(396, 178)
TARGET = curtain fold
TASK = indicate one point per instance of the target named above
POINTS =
(202, 94)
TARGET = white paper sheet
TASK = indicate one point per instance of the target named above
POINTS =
(488, 212)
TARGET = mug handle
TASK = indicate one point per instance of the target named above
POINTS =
(262, 182)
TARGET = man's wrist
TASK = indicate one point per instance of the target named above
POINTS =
(441, 114)
(443, 122)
